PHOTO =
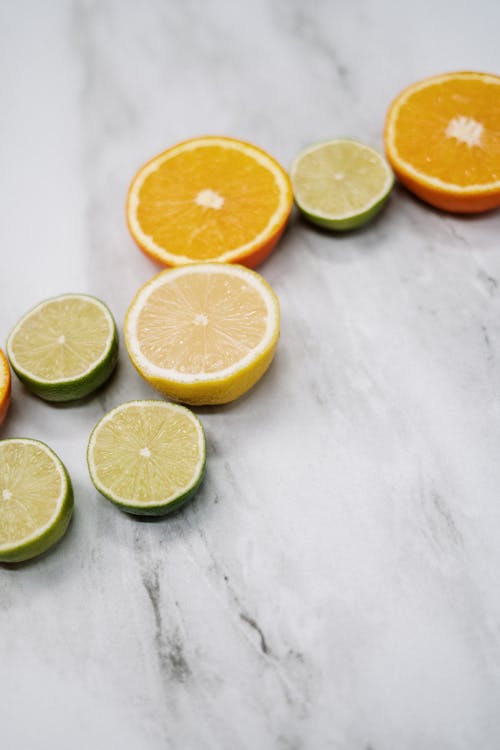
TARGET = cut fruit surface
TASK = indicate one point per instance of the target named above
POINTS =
(148, 457)
(5, 386)
(442, 138)
(64, 348)
(209, 199)
(340, 184)
(203, 334)
(36, 499)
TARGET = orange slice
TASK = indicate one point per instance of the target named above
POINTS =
(209, 199)
(442, 138)
(204, 333)
(4, 386)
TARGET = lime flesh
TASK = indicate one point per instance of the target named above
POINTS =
(36, 499)
(64, 348)
(340, 184)
(148, 457)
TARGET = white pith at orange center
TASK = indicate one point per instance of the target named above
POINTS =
(465, 130)
(209, 199)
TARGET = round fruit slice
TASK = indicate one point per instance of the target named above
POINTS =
(4, 386)
(148, 457)
(36, 499)
(203, 334)
(64, 348)
(340, 184)
(209, 199)
(442, 137)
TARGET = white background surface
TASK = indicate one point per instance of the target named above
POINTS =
(336, 582)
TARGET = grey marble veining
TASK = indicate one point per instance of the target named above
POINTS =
(335, 583)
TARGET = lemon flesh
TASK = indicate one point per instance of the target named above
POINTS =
(148, 457)
(64, 348)
(203, 334)
(36, 499)
(340, 184)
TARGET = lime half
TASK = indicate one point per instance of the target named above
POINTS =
(147, 457)
(340, 184)
(65, 347)
(36, 499)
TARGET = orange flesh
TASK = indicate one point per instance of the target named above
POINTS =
(4, 386)
(201, 323)
(422, 121)
(169, 214)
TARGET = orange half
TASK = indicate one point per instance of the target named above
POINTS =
(442, 138)
(209, 199)
(4, 386)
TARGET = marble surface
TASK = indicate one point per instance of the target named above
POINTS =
(336, 582)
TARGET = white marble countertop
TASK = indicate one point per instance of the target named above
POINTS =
(336, 582)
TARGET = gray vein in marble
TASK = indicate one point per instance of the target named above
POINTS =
(169, 646)
(488, 282)
(306, 28)
(456, 234)
(489, 349)
(262, 641)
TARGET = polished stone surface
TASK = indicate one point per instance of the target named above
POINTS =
(336, 582)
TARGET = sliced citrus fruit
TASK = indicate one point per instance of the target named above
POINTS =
(442, 137)
(209, 199)
(65, 347)
(203, 334)
(147, 457)
(340, 184)
(4, 386)
(36, 499)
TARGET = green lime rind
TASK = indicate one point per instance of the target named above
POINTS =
(41, 543)
(163, 507)
(77, 388)
(71, 389)
(345, 221)
(345, 225)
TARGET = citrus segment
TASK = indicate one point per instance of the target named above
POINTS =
(36, 499)
(203, 334)
(64, 348)
(340, 184)
(442, 137)
(210, 198)
(5, 386)
(148, 457)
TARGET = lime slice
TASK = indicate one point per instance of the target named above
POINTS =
(36, 499)
(340, 184)
(65, 347)
(147, 457)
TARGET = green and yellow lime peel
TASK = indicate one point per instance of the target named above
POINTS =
(31, 476)
(341, 184)
(65, 348)
(144, 460)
